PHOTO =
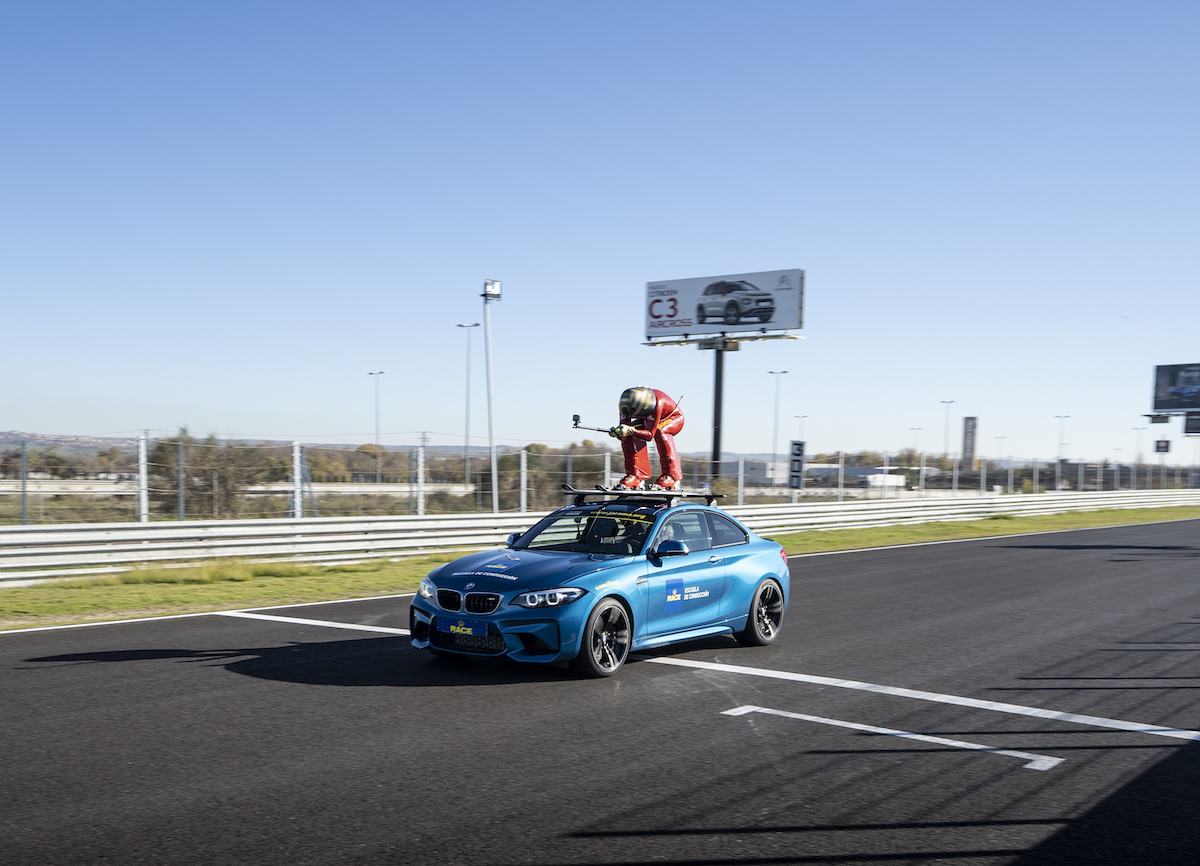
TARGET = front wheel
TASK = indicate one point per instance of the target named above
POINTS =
(732, 314)
(605, 641)
(766, 615)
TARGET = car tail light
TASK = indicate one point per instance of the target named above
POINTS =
(783, 553)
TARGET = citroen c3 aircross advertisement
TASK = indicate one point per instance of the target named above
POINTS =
(767, 300)
(1176, 387)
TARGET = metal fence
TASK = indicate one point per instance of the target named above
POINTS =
(36, 552)
(184, 478)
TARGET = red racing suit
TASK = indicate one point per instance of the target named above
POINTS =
(661, 426)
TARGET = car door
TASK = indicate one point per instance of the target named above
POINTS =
(683, 592)
(732, 544)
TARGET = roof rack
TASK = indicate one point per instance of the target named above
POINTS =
(622, 494)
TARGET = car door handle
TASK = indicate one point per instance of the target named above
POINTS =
(642, 581)
(714, 559)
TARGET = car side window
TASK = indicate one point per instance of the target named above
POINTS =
(725, 532)
(690, 527)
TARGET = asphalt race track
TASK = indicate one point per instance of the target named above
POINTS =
(1053, 683)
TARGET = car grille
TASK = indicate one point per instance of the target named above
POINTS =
(482, 602)
(449, 599)
(491, 644)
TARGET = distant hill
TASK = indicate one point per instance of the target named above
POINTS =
(75, 444)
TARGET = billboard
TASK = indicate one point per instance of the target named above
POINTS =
(765, 300)
(970, 428)
(1176, 387)
(796, 466)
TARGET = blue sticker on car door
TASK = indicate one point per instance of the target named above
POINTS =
(674, 597)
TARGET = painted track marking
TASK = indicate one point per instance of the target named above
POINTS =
(242, 614)
(201, 613)
(1013, 709)
(1034, 762)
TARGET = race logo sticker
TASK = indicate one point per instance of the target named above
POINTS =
(674, 599)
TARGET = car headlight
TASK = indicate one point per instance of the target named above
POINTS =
(427, 588)
(549, 597)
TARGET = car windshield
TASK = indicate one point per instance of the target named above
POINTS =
(604, 530)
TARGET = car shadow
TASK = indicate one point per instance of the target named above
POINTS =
(382, 661)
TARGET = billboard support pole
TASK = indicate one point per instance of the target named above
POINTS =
(718, 387)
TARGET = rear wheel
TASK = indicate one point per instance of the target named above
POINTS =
(700, 314)
(605, 643)
(766, 615)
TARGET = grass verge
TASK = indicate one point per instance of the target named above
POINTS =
(220, 585)
(225, 585)
(1002, 524)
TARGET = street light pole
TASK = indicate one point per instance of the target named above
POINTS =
(1138, 465)
(999, 451)
(775, 429)
(1062, 421)
(800, 426)
(467, 423)
(491, 292)
(378, 453)
(916, 432)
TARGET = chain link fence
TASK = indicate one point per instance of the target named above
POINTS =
(188, 478)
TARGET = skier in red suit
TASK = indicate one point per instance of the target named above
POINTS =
(648, 414)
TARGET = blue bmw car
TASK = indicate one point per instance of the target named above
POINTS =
(596, 580)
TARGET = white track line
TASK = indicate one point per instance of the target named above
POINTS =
(1035, 762)
(201, 613)
(1013, 709)
(242, 614)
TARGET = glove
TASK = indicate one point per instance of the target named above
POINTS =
(620, 431)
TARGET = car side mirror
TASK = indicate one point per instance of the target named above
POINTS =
(512, 539)
(671, 548)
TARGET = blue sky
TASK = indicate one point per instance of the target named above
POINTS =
(224, 215)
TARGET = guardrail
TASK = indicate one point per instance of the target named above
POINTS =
(34, 552)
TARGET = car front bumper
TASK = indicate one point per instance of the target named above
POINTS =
(540, 636)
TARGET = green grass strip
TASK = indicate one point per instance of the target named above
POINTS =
(218, 585)
(227, 585)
